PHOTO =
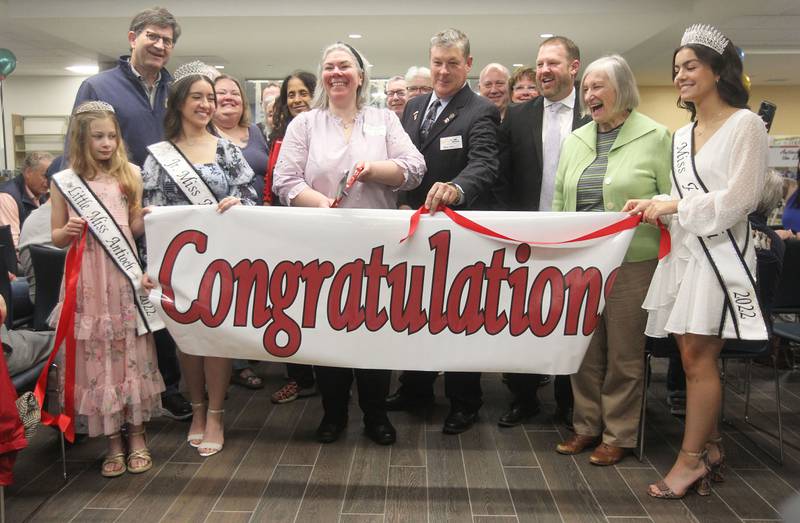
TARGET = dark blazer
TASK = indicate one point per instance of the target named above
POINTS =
(474, 165)
(520, 142)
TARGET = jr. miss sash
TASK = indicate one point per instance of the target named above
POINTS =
(182, 173)
(110, 237)
(737, 282)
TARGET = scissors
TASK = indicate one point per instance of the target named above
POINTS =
(345, 184)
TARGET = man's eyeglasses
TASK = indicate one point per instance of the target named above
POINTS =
(419, 89)
(155, 37)
(400, 93)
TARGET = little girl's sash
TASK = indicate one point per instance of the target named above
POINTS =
(183, 173)
(109, 235)
(737, 282)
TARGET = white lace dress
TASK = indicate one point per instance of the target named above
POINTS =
(685, 295)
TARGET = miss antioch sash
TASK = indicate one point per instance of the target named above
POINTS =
(110, 237)
(182, 173)
(741, 301)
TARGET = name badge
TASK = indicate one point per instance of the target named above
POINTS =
(450, 142)
(374, 130)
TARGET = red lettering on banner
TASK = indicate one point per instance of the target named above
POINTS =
(371, 294)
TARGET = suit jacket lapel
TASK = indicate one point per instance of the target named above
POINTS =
(536, 116)
(449, 114)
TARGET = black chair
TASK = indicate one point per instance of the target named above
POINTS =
(8, 264)
(732, 350)
(48, 270)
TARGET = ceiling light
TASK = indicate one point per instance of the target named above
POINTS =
(83, 69)
(219, 67)
(546, 35)
(354, 35)
(517, 65)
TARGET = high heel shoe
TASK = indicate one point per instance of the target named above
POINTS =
(209, 448)
(716, 468)
(196, 438)
(701, 485)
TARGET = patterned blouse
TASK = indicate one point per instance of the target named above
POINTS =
(229, 175)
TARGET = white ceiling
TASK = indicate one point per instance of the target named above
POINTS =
(257, 39)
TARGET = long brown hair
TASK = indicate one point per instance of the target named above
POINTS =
(84, 164)
(178, 92)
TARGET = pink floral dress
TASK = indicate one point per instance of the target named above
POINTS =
(116, 372)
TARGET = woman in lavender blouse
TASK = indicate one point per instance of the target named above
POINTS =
(339, 134)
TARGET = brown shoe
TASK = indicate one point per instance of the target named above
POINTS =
(606, 454)
(575, 444)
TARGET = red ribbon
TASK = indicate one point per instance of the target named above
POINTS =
(65, 333)
(623, 225)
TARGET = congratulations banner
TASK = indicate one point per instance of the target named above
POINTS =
(337, 287)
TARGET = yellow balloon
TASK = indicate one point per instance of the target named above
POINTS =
(746, 82)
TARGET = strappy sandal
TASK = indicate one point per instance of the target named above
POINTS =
(715, 473)
(117, 458)
(196, 438)
(209, 448)
(141, 454)
(701, 485)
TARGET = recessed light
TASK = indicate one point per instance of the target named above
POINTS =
(83, 69)
(219, 67)
(517, 65)
(546, 35)
(354, 35)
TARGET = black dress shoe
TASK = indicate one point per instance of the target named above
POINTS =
(517, 414)
(328, 432)
(381, 433)
(400, 401)
(176, 407)
(459, 421)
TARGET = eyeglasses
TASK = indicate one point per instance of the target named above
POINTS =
(524, 87)
(155, 37)
(419, 89)
(400, 93)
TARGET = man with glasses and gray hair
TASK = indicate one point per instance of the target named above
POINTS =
(418, 81)
(137, 89)
(396, 95)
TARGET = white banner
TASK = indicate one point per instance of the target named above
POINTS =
(336, 287)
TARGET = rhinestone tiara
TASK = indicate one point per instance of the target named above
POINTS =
(190, 69)
(706, 35)
(95, 105)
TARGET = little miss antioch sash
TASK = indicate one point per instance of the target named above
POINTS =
(182, 173)
(737, 282)
(109, 235)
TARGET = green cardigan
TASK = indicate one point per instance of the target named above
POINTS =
(639, 166)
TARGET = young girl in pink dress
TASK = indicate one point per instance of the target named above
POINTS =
(117, 382)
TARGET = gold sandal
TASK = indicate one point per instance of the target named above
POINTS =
(141, 454)
(196, 438)
(715, 473)
(701, 485)
(117, 458)
(211, 447)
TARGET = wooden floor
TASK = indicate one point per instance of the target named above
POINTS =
(272, 469)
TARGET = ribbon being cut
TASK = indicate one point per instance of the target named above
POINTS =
(338, 287)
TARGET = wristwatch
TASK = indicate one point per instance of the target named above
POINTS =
(460, 193)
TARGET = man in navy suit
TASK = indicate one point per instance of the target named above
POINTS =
(530, 140)
(456, 131)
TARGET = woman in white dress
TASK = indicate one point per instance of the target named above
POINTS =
(702, 293)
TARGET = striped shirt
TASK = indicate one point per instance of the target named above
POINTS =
(590, 184)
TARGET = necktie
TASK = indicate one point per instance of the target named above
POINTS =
(430, 117)
(551, 146)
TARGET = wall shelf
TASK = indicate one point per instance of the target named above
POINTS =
(38, 132)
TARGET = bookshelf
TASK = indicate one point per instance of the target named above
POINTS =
(38, 133)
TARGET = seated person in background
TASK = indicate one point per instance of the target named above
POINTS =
(24, 348)
(791, 212)
(22, 194)
(767, 242)
(36, 231)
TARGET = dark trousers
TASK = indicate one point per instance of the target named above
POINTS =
(524, 386)
(167, 361)
(463, 389)
(373, 386)
(303, 375)
(676, 378)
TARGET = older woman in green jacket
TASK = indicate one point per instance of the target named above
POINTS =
(621, 154)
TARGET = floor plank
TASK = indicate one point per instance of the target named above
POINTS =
(448, 498)
(488, 490)
(366, 487)
(283, 495)
(533, 500)
(159, 495)
(407, 499)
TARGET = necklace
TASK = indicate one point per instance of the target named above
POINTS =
(711, 124)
